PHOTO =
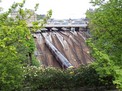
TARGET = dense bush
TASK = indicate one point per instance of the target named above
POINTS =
(53, 78)
(46, 78)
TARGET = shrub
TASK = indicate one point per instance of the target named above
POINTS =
(37, 78)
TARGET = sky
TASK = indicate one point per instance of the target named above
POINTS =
(62, 9)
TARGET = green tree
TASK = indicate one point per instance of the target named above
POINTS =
(16, 46)
(105, 26)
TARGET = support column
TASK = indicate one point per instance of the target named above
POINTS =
(69, 28)
(48, 28)
(59, 28)
(76, 28)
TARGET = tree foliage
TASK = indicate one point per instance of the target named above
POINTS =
(16, 46)
(105, 24)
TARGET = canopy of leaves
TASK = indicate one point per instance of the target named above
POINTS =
(16, 46)
(106, 29)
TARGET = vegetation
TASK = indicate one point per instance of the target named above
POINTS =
(53, 78)
(17, 70)
(106, 42)
(16, 46)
